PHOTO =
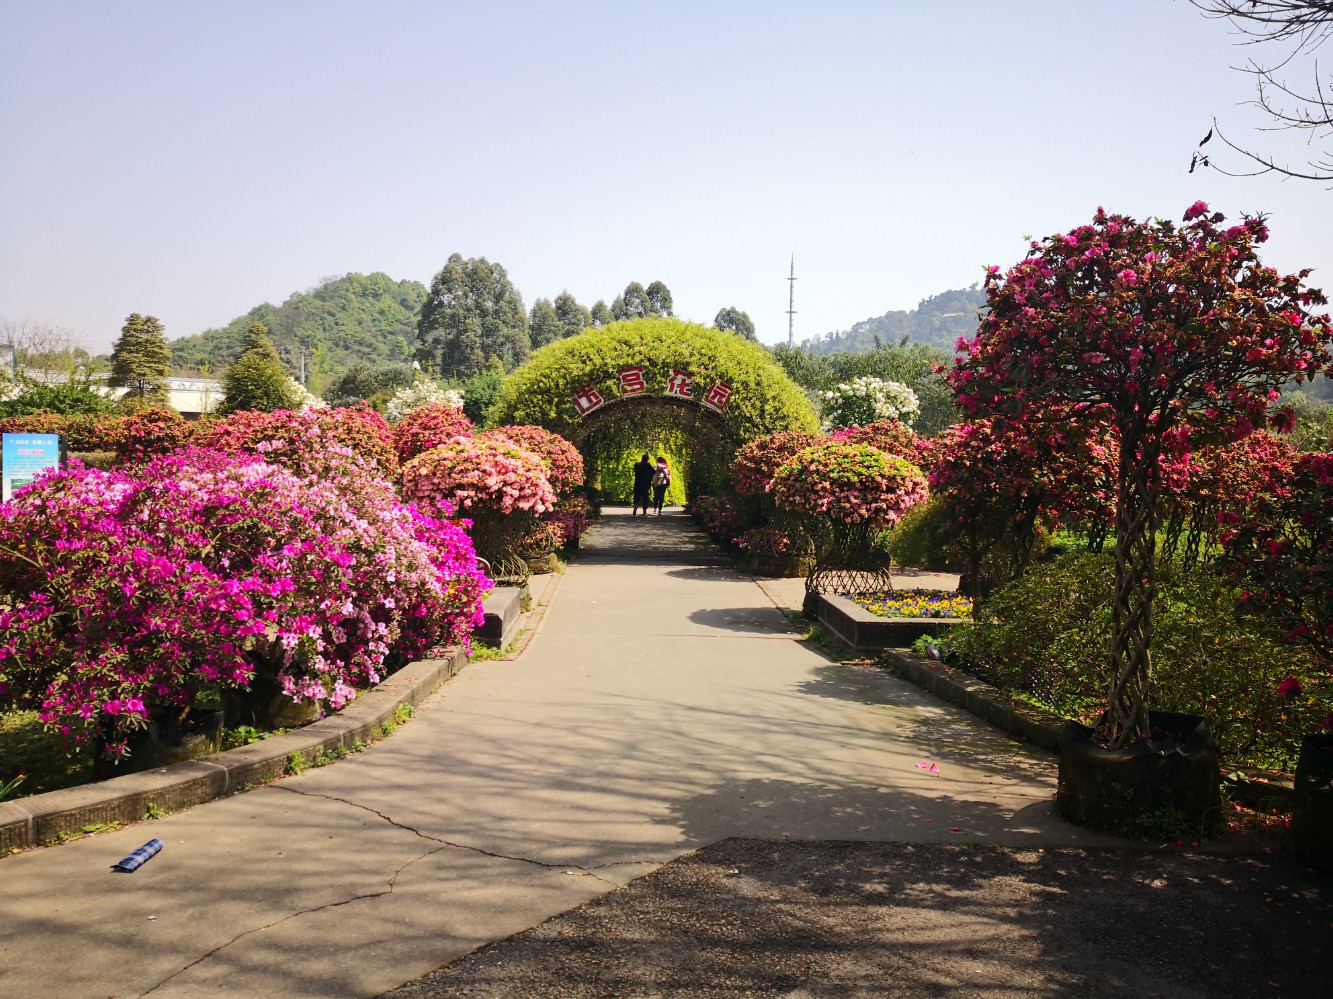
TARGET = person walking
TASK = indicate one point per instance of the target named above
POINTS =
(661, 479)
(643, 480)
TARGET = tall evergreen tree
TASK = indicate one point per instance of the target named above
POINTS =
(544, 324)
(141, 362)
(473, 314)
(573, 317)
(256, 379)
(600, 314)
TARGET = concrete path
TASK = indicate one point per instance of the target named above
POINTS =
(664, 704)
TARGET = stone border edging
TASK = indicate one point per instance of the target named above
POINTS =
(1042, 728)
(40, 818)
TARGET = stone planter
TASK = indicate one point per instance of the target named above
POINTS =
(1163, 786)
(540, 565)
(1312, 811)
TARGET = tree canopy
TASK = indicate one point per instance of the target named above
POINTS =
(472, 314)
(733, 320)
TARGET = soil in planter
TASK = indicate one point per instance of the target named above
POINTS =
(1167, 787)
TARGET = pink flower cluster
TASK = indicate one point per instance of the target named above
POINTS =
(849, 483)
(290, 438)
(128, 592)
(564, 464)
(757, 461)
(479, 474)
(428, 426)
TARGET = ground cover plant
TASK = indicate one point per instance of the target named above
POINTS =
(915, 603)
(1046, 637)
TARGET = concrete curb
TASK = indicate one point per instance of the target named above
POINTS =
(42, 818)
(981, 699)
(1041, 728)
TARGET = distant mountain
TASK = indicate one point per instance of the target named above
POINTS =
(938, 321)
(356, 317)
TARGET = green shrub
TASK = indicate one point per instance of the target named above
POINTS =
(922, 537)
(1047, 636)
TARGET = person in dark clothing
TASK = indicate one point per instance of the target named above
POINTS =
(661, 479)
(643, 482)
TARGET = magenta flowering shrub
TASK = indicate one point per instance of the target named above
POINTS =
(428, 426)
(756, 461)
(132, 592)
(306, 434)
(564, 464)
(476, 474)
(849, 484)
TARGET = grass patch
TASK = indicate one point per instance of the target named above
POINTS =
(39, 756)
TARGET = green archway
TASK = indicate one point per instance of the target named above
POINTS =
(661, 386)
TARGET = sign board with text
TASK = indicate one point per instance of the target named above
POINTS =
(25, 456)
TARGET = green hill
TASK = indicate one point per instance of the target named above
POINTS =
(938, 321)
(356, 317)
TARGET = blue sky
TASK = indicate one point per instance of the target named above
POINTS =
(192, 160)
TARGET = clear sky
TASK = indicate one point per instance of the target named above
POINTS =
(193, 159)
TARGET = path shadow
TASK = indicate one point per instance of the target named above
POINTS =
(671, 539)
(745, 620)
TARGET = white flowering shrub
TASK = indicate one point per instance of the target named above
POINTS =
(866, 400)
(306, 399)
(422, 392)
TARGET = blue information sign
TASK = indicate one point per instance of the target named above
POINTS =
(25, 456)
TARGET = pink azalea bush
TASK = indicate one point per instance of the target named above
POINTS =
(890, 436)
(756, 461)
(426, 427)
(475, 474)
(133, 592)
(306, 433)
(564, 464)
(850, 484)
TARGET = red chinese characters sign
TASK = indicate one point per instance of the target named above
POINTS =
(587, 399)
(631, 381)
(679, 385)
(634, 382)
(717, 396)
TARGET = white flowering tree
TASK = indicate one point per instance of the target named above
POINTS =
(865, 400)
(422, 392)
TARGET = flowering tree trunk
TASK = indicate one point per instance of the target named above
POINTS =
(1135, 586)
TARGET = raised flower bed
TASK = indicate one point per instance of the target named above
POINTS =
(862, 629)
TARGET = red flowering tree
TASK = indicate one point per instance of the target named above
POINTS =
(1004, 487)
(1221, 483)
(1174, 329)
(1282, 550)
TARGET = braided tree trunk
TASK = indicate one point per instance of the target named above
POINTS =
(1135, 586)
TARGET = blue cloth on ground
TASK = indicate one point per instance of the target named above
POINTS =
(138, 858)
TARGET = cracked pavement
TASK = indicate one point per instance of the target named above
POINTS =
(664, 704)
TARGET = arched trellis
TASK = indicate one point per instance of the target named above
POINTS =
(700, 390)
(699, 440)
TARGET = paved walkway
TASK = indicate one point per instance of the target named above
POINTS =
(664, 704)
